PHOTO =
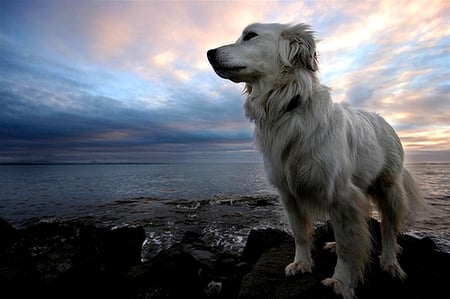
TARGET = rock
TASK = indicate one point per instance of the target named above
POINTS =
(189, 269)
(427, 270)
(77, 260)
(8, 233)
(259, 241)
(123, 246)
(74, 260)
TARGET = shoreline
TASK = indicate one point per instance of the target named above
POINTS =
(80, 260)
(224, 220)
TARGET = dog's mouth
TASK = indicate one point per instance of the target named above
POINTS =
(229, 72)
(228, 68)
(223, 66)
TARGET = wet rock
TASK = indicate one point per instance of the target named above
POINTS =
(189, 269)
(67, 259)
(8, 233)
(259, 241)
(427, 270)
(123, 246)
(74, 260)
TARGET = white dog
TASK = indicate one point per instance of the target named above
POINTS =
(325, 159)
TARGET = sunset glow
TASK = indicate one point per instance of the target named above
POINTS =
(79, 79)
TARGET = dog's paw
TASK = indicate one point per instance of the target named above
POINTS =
(393, 269)
(339, 288)
(296, 267)
(330, 246)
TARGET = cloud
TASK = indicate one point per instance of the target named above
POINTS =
(115, 79)
(60, 114)
(383, 59)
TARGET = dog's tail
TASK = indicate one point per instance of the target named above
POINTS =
(417, 207)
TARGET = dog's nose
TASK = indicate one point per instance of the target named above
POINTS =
(211, 55)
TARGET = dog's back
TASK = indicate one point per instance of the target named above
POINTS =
(379, 162)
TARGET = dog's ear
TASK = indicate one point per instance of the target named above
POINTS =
(298, 48)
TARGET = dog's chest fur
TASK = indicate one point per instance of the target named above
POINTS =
(294, 146)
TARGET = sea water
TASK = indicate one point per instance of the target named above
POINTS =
(221, 201)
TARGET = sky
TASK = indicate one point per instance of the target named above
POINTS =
(129, 81)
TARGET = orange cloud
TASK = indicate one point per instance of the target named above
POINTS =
(112, 37)
(145, 36)
(374, 48)
(432, 138)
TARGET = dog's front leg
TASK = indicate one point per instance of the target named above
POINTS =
(301, 226)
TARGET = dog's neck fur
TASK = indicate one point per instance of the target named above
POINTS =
(292, 91)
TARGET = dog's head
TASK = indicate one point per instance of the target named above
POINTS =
(265, 52)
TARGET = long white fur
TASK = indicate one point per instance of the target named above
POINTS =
(325, 159)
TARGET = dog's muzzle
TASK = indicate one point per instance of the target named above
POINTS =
(222, 66)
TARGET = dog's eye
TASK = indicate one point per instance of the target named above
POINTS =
(249, 36)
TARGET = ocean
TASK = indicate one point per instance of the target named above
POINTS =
(223, 202)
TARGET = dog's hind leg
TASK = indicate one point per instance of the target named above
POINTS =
(348, 216)
(391, 199)
(302, 227)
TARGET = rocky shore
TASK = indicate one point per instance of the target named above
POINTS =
(71, 259)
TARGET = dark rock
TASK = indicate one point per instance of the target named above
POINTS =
(68, 259)
(74, 260)
(8, 233)
(189, 269)
(426, 267)
(259, 241)
(123, 246)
